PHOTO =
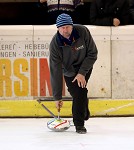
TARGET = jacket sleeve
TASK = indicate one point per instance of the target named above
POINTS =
(55, 72)
(91, 55)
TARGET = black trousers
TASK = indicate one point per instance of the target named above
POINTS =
(80, 99)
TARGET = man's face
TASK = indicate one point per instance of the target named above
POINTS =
(65, 31)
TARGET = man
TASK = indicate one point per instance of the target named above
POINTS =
(56, 7)
(109, 12)
(72, 54)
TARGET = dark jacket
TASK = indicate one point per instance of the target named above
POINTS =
(131, 4)
(69, 60)
(102, 12)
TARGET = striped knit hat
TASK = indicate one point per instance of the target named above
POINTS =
(63, 19)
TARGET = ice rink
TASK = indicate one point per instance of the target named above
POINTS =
(32, 134)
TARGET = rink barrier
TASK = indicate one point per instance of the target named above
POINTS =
(98, 108)
(24, 77)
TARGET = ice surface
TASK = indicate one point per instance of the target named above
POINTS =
(32, 134)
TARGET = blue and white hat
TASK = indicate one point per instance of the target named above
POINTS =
(63, 19)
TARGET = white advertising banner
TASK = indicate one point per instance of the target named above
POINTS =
(24, 65)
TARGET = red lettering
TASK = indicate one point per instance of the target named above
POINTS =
(33, 74)
(44, 77)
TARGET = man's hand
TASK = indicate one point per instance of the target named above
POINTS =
(116, 22)
(80, 80)
(42, 1)
(59, 104)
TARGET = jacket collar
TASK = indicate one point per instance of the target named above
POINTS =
(63, 41)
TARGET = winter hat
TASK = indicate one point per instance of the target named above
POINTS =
(63, 19)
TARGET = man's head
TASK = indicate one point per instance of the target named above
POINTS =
(63, 19)
(64, 24)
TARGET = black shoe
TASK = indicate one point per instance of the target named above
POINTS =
(81, 129)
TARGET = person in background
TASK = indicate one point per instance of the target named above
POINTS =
(109, 12)
(72, 54)
(56, 7)
(131, 4)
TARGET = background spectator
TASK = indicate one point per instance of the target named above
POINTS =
(109, 12)
(56, 7)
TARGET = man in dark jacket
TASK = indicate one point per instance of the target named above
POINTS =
(72, 54)
(109, 12)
